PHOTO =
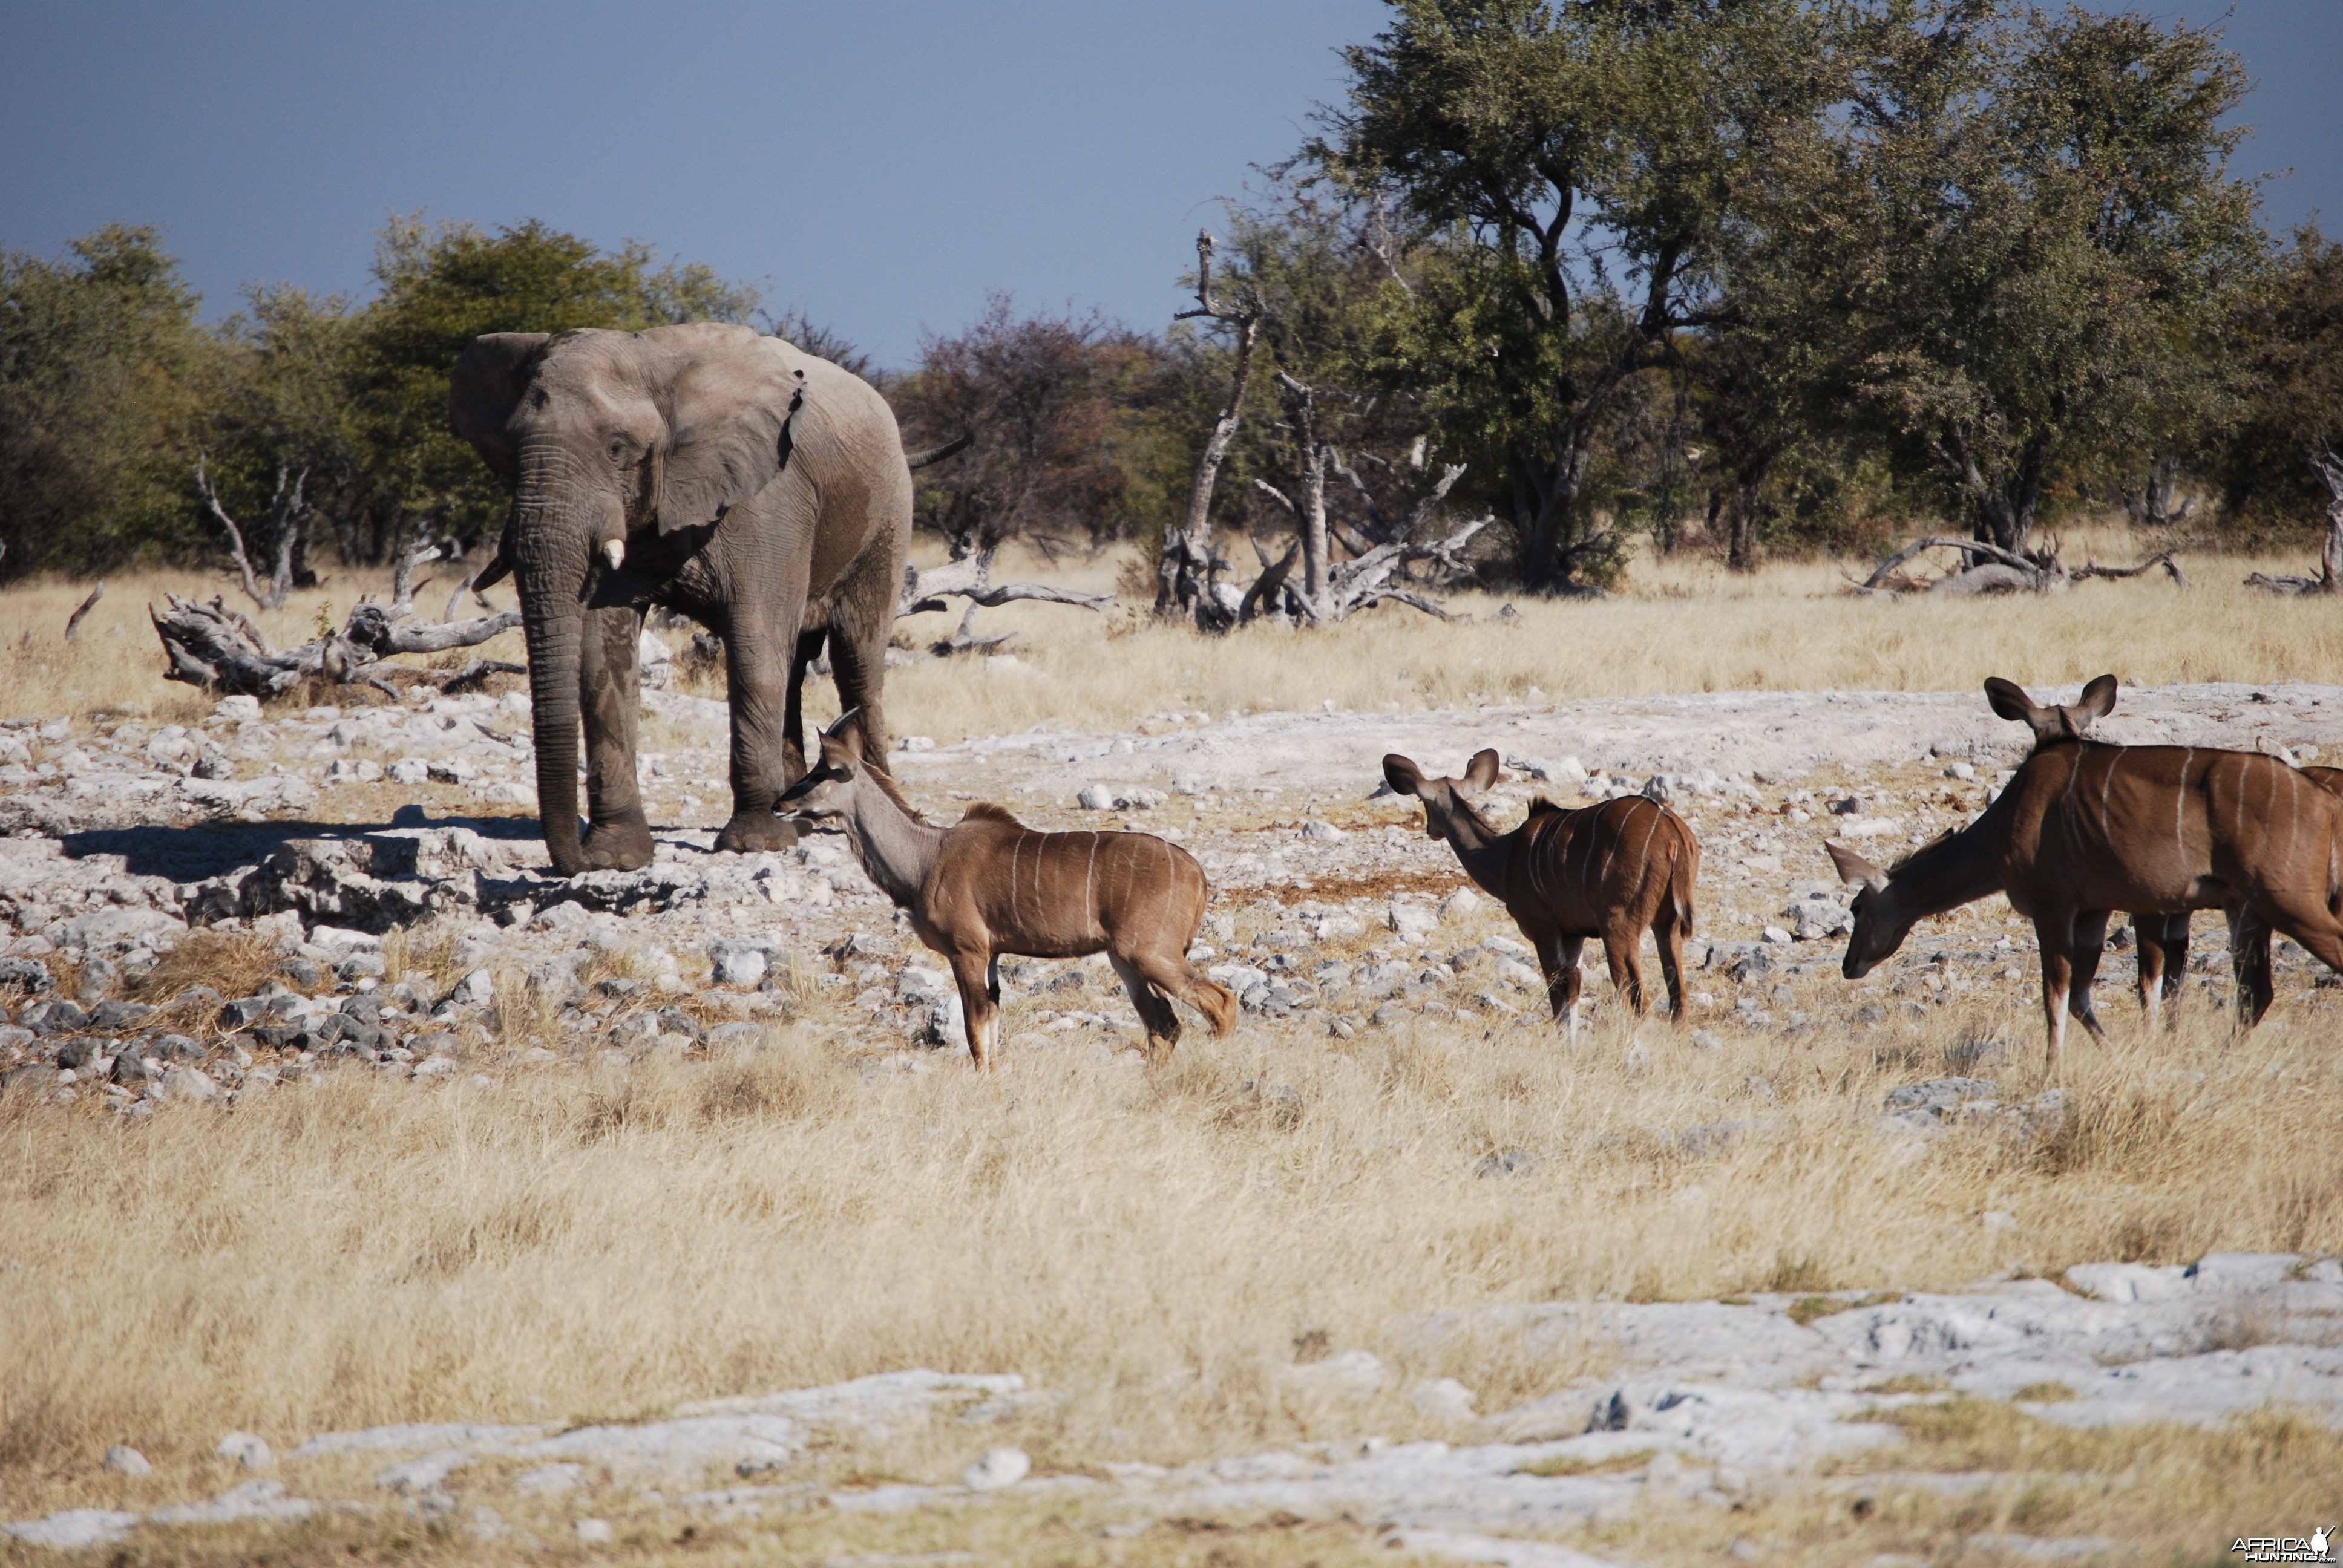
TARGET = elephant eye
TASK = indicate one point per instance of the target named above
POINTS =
(618, 449)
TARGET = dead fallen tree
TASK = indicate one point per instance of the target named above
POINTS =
(2329, 579)
(219, 649)
(971, 577)
(1987, 568)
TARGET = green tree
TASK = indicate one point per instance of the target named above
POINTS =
(2286, 342)
(1571, 163)
(2034, 227)
(104, 380)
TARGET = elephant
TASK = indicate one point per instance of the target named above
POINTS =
(725, 475)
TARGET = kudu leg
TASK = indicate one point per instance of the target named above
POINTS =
(981, 1013)
(2051, 932)
(2163, 965)
(1558, 956)
(1668, 932)
(1179, 978)
(2250, 964)
(2088, 939)
(1622, 954)
(1156, 1014)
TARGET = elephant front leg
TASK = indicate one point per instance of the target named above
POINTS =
(610, 698)
(758, 669)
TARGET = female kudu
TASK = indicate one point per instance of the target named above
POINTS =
(2084, 828)
(1611, 870)
(989, 885)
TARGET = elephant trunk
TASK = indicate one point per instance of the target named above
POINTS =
(552, 547)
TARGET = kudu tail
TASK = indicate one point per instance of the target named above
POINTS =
(1681, 877)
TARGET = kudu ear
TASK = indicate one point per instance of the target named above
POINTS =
(487, 385)
(2098, 699)
(1484, 770)
(736, 401)
(1402, 775)
(2008, 700)
(1853, 869)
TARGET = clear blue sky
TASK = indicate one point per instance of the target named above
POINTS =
(881, 165)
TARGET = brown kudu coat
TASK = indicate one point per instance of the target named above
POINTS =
(989, 885)
(1613, 870)
(2084, 828)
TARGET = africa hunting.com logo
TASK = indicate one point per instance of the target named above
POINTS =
(2312, 1548)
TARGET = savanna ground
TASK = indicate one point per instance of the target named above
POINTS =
(1156, 1250)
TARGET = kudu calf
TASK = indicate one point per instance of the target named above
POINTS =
(1613, 870)
(989, 885)
(2083, 828)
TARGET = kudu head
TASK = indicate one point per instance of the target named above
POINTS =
(1447, 802)
(829, 785)
(1880, 925)
(2051, 725)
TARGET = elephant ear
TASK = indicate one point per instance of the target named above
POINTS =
(731, 431)
(489, 378)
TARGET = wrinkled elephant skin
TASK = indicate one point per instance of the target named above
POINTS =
(725, 475)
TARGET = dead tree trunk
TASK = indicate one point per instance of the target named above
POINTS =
(73, 622)
(1185, 575)
(288, 515)
(2330, 469)
(211, 647)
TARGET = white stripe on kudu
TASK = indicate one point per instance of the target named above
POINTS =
(2227, 853)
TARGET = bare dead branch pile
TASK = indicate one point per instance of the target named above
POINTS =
(2329, 579)
(1986, 568)
(220, 649)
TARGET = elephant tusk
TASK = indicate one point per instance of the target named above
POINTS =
(615, 552)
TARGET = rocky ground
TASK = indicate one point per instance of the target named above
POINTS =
(209, 913)
(326, 833)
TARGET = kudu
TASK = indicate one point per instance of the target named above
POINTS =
(989, 885)
(1613, 870)
(2083, 828)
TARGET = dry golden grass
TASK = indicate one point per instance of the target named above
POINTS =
(585, 1242)
(1683, 624)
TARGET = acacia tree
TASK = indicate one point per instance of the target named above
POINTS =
(2034, 226)
(1570, 163)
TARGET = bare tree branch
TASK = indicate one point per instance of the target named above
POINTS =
(73, 622)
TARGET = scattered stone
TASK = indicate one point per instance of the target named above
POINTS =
(1459, 904)
(997, 1468)
(550, 1481)
(124, 1460)
(243, 1448)
(424, 1474)
(1412, 923)
(1352, 1375)
(1442, 1399)
(74, 1529)
(1321, 832)
(253, 1500)
(595, 1531)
